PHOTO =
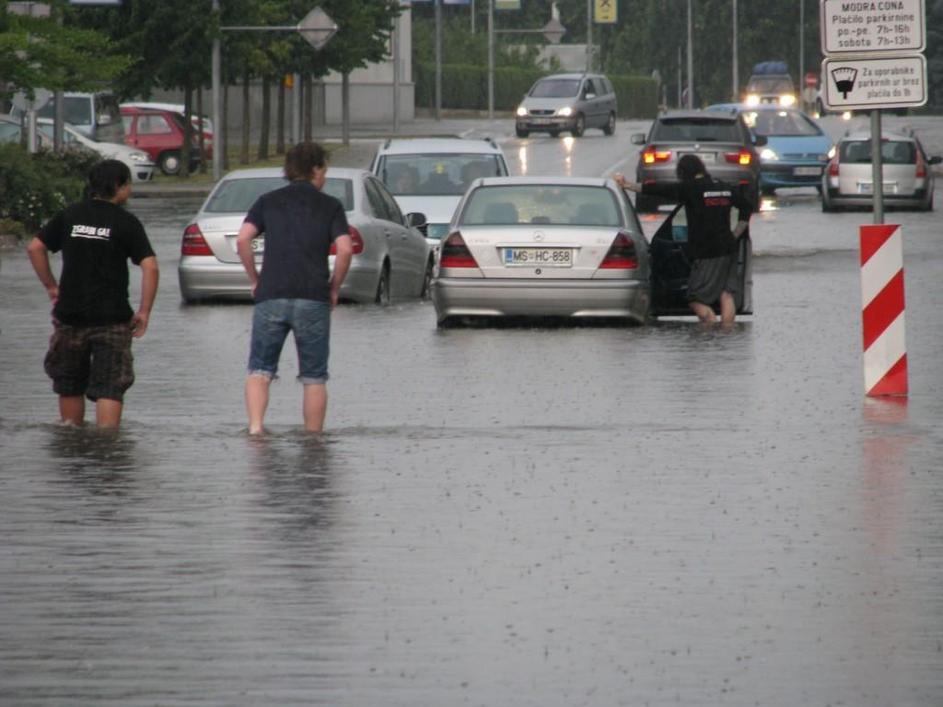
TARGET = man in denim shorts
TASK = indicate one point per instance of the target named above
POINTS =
(296, 289)
(90, 349)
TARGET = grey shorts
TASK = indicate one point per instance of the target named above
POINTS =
(711, 276)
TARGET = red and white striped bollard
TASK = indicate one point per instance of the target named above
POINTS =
(882, 299)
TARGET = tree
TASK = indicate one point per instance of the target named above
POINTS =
(39, 53)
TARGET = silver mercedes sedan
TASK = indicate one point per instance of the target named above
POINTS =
(392, 259)
(543, 246)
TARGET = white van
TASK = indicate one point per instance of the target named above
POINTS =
(96, 115)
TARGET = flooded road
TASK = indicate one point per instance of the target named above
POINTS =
(655, 515)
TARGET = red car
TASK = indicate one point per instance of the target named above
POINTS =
(160, 133)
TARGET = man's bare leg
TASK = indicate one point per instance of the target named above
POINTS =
(108, 412)
(257, 389)
(728, 309)
(72, 409)
(315, 406)
(704, 312)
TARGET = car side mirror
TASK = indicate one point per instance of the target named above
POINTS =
(760, 140)
(416, 219)
(935, 160)
(589, 96)
(638, 138)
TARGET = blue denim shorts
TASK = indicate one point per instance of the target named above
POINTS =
(308, 320)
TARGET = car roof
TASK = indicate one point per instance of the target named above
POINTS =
(551, 181)
(413, 146)
(268, 172)
(866, 135)
(712, 114)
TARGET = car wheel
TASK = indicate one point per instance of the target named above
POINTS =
(827, 207)
(580, 127)
(427, 281)
(554, 133)
(382, 297)
(610, 127)
(170, 162)
(521, 132)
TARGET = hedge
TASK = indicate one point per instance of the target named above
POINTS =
(34, 187)
(466, 87)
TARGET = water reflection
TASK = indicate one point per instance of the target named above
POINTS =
(103, 462)
(294, 472)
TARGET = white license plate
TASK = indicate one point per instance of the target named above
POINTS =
(703, 156)
(807, 171)
(540, 121)
(868, 187)
(539, 257)
(258, 244)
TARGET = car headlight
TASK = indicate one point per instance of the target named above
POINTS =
(521, 111)
(787, 99)
(566, 111)
(752, 99)
(139, 156)
(768, 155)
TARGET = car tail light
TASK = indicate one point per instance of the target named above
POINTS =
(455, 253)
(193, 242)
(921, 166)
(355, 237)
(743, 157)
(621, 255)
(652, 155)
(833, 167)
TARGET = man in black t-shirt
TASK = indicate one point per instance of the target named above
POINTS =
(712, 245)
(90, 349)
(296, 289)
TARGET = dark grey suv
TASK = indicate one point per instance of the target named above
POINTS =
(719, 138)
(570, 102)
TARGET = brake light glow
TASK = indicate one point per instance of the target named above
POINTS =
(621, 255)
(651, 155)
(833, 167)
(743, 157)
(355, 237)
(193, 242)
(921, 166)
(455, 253)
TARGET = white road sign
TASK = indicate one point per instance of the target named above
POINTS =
(872, 26)
(877, 82)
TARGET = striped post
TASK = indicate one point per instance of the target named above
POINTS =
(882, 299)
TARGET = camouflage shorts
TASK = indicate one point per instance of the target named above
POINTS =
(94, 361)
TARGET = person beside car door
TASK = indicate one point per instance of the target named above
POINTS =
(712, 245)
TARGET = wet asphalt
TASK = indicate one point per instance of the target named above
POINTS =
(528, 515)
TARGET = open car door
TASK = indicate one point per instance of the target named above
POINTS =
(671, 268)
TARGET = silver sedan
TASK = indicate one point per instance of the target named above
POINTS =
(391, 259)
(543, 246)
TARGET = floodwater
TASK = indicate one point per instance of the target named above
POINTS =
(655, 515)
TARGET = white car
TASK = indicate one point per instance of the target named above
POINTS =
(140, 164)
(430, 175)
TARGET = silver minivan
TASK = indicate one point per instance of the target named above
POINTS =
(570, 102)
(96, 115)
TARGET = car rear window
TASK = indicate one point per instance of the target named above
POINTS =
(238, 195)
(780, 123)
(437, 174)
(549, 204)
(892, 152)
(555, 88)
(696, 130)
(769, 84)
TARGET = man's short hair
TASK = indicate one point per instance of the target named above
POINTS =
(689, 166)
(106, 178)
(302, 159)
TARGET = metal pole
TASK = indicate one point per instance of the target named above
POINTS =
(680, 77)
(877, 167)
(736, 65)
(589, 35)
(296, 108)
(472, 16)
(395, 42)
(490, 59)
(438, 59)
(802, 51)
(218, 139)
(690, 105)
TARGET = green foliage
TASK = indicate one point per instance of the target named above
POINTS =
(465, 86)
(34, 187)
(935, 51)
(40, 53)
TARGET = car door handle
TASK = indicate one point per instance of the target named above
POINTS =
(386, 233)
